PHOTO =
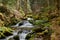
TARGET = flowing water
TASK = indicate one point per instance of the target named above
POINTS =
(22, 35)
(24, 24)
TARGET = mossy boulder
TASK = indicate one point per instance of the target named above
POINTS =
(4, 32)
(16, 37)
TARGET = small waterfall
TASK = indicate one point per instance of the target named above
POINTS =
(22, 24)
(22, 36)
(27, 24)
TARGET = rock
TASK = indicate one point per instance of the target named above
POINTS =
(16, 37)
(11, 39)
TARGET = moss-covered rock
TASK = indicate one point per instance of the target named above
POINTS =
(4, 32)
(16, 37)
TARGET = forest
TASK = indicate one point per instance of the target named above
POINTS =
(29, 20)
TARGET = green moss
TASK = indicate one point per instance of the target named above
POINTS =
(32, 38)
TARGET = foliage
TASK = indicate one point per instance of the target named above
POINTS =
(7, 16)
(42, 22)
(39, 31)
(5, 32)
(1, 23)
(43, 12)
